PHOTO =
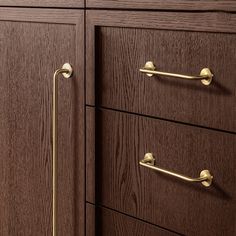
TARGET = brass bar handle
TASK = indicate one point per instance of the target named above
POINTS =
(205, 75)
(205, 176)
(67, 72)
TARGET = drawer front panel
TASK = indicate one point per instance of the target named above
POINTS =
(121, 141)
(122, 51)
(105, 222)
(202, 5)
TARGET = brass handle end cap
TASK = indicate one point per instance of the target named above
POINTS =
(149, 158)
(149, 66)
(209, 177)
(206, 72)
(68, 67)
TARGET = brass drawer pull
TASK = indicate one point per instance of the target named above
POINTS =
(205, 177)
(66, 71)
(205, 74)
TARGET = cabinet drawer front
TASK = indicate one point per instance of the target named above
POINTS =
(122, 140)
(121, 51)
(202, 5)
(105, 222)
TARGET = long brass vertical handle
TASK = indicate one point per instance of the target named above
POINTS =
(67, 72)
(205, 75)
(205, 176)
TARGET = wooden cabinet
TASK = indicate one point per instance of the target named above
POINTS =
(72, 152)
(33, 44)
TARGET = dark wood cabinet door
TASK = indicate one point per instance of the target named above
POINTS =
(33, 44)
(201, 5)
(43, 3)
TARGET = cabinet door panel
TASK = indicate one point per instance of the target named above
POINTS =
(33, 44)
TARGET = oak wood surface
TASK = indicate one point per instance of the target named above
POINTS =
(33, 44)
(120, 183)
(90, 152)
(43, 3)
(179, 43)
(105, 222)
(60, 16)
(202, 5)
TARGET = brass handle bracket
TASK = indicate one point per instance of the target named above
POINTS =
(205, 75)
(67, 72)
(205, 177)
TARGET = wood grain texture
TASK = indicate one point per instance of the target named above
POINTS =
(120, 85)
(30, 53)
(202, 5)
(43, 3)
(90, 150)
(188, 208)
(57, 16)
(105, 222)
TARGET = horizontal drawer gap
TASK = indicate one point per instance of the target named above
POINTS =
(159, 118)
(108, 208)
